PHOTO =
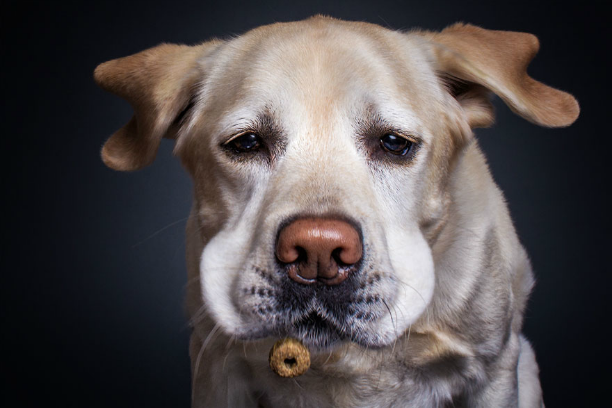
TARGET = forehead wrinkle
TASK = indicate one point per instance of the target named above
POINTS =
(325, 81)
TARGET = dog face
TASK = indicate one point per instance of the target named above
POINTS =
(320, 153)
(317, 128)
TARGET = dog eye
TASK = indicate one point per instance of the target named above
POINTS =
(245, 143)
(396, 144)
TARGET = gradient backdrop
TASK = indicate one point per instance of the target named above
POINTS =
(92, 260)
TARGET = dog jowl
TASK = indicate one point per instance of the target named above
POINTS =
(340, 198)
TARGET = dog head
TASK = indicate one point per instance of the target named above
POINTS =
(320, 152)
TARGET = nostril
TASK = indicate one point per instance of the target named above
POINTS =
(347, 256)
(338, 256)
(335, 255)
(289, 254)
(302, 255)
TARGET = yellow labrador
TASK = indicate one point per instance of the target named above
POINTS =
(340, 198)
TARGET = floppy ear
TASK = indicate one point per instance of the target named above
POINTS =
(157, 83)
(474, 60)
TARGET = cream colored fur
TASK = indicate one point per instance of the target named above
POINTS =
(444, 275)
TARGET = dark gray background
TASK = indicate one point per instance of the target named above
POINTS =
(92, 260)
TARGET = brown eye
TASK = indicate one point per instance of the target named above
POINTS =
(246, 143)
(396, 144)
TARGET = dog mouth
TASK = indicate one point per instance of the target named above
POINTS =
(321, 316)
(320, 325)
(314, 330)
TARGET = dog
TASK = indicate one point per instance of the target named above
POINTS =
(340, 198)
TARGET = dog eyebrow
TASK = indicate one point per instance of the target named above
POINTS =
(267, 125)
(270, 130)
(244, 120)
(370, 123)
(264, 124)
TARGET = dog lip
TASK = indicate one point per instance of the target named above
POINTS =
(314, 330)
(314, 320)
(319, 341)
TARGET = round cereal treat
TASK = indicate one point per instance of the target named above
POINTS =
(289, 358)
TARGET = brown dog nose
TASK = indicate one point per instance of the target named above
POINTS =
(319, 249)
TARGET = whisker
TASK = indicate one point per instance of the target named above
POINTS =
(328, 357)
(196, 368)
(226, 356)
(212, 333)
(298, 384)
(394, 326)
(390, 315)
(413, 288)
(230, 342)
(160, 231)
(382, 359)
(192, 280)
(198, 316)
(427, 309)
(195, 374)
